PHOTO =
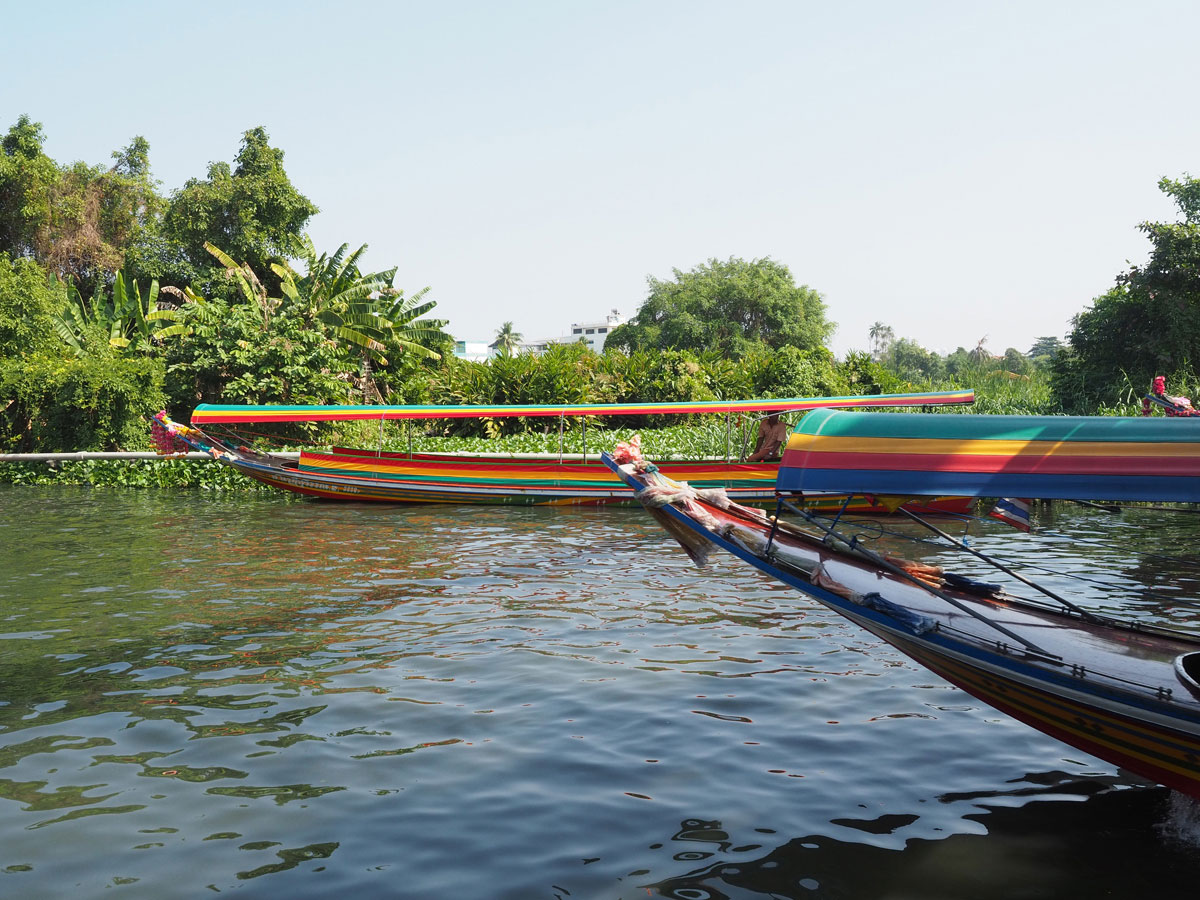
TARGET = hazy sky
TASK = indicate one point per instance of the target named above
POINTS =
(954, 170)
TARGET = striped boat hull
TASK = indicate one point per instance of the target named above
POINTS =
(367, 476)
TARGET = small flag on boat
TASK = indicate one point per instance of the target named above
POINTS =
(1012, 511)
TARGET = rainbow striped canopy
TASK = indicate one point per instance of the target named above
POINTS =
(210, 414)
(1048, 457)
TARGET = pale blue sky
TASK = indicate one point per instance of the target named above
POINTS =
(955, 170)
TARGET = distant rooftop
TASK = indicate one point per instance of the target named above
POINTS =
(591, 333)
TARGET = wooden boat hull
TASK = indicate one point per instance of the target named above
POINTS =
(1110, 690)
(370, 477)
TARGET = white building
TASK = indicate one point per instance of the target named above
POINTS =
(591, 333)
(475, 351)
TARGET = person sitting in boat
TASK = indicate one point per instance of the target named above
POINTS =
(772, 435)
(1179, 406)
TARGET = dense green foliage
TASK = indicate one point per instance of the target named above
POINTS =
(572, 373)
(1147, 324)
(29, 306)
(251, 211)
(729, 307)
(123, 319)
(150, 473)
(116, 300)
(77, 220)
(56, 402)
(55, 396)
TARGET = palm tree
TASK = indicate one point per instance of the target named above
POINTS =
(980, 353)
(507, 340)
(881, 338)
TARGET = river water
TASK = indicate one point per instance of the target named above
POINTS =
(272, 698)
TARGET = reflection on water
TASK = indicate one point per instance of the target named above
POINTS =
(1050, 848)
(206, 694)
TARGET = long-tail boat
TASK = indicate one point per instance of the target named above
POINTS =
(1122, 690)
(363, 475)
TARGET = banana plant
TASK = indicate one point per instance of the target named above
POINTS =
(252, 287)
(126, 321)
(362, 311)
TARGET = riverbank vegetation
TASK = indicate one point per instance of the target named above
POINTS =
(117, 300)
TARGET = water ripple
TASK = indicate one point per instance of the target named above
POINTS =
(297, 698)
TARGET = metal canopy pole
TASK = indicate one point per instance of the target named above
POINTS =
(959, 545)
(562, 423)
(877, 559)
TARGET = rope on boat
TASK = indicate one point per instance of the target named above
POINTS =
(662, 491)
(918, 578)
(959, 545)
(877, 530)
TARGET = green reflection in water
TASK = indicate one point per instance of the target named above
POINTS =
(292, 858)
(34, 799)
(282, 794)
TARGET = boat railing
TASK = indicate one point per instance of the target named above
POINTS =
(1083, 673)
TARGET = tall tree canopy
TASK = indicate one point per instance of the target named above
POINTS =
(730, 306)
(251, 211)
(78, 221)
(1148, 324)
(27, 176)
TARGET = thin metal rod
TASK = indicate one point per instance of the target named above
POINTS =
(1087, 616)
(584, 421)
(728, 436)
(842, 511)
(562, 423)
(379, 452)
(896, 570)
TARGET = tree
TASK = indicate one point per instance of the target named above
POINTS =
(252, 211)
(315, 342)
(28, 302)
(881, 338)
(363, 311)
(27, 176)
(730, 306)
(507, 340)
(78, 221)
(1044, 350)
(1147, 324)
(1016, 362)
(958, 363)
(911, 361)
